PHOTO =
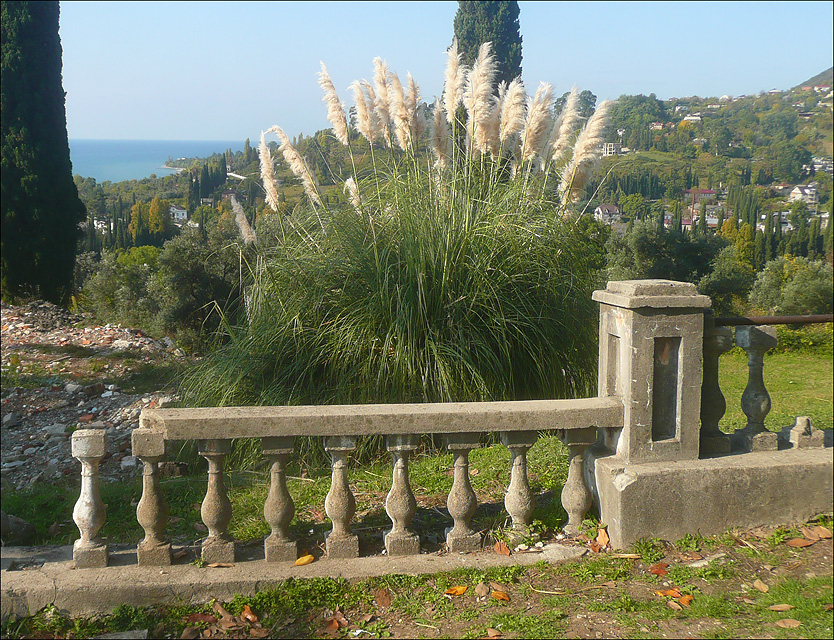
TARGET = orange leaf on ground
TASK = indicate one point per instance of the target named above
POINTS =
(798, 543)
(659, 569)
(248, 614)
(686, 600)
(809, 533)
(828, 607)
(457, 590)
(595, 546)
(823, 532)
(221, 565)
(674, 605)
(259, 633)
(333, 625)
(610, 583)
(602, 536)
(788, 623)
(780, 607)
(382, 597)
(500, 595)
(493, 633)
(674, 592)
(761, 586)
(305, 559)
(501, 548)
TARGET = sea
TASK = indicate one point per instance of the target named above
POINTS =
(117, 160)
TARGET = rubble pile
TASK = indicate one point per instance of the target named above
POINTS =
(71, 365)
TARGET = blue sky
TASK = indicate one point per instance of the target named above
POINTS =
(227, 70)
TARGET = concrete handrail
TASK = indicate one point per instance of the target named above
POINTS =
(384, 419)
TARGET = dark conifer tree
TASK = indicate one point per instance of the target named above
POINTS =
(41, 210)
(477, 22)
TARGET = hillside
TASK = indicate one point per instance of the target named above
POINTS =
(826, 77)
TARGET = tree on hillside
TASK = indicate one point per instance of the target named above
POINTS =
(477, 22)
(41, 210)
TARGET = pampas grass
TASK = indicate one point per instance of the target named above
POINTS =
(513, 110)
(297, 165)
(537, 124)
(478, 98)
(381, 99)
(586, 153)
(440, 136)
(268, 174)
(335, 111)
(454, 84)
(565, 126)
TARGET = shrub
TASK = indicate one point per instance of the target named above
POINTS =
(794, 286)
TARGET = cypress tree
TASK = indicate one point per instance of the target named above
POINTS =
(41, 210)
(477, 22)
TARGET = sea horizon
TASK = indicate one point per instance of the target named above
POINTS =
(124, 159)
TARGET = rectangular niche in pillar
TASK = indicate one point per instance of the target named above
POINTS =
(612, 372)
(665, 388)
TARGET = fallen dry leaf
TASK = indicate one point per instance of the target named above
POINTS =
(823, 532)
(457, 590)
(194, 618)
(630, 556)
(481, 589)
(610, 583)
(189, 633)
(595, 546)
(180, 553)
(686, 600)
(828, 607)
(367, 617)
(674, 605)
(659, 569)
(602, 536)
(338, 615)
(674, 592)
(220, 565)
(221, 610)
(502, 549)
(809, 533)
(258, 633)
(500, 595)
(332, 625)
(474, 472)
(493, 633)
(748, 601)
(780, 607)
(248, 614)
(305, 559)
(383, 598)
(497, 586)
(230, 624)
(798, 543)
(761, 586)
(788, 623)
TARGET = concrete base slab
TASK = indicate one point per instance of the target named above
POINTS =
(217, 550)
(670, 499)
(342, 547)
(49, 577)
(464, 543)
(158, 556)
(280, 550)
(89, 557)
(402, 545)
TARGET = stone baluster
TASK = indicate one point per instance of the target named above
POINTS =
(216, 510)
(462, 501)
(279, 507)
(519, 500)
(717, 340)
(755, 401)
(400, 503)
(576, 497)
(89, 514)
(340, 505)
(152, 511)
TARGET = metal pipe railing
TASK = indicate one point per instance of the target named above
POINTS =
(766, 320)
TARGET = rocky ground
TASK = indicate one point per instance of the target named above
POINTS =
(62, 372)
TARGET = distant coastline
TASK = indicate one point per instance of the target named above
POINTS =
(119, 160)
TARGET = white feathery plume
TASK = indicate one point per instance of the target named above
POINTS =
(376, 125)
(246, 231)
(412, 101)
(399, 112)
(477, 97)
(421, 123)
(586, 153)
(268, 174)
(537, 123)
(454, 83)
(440, 136)
(297, 165)
(565, 126)
(353, 191)
(513, 110)
(335, 111)
(364, 121)
(381, 99)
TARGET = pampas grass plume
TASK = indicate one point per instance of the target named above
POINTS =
(335, 111)
(381, 99)
(513, 110)
(268, 174)
(440, 136)
(454, 82)
(538, 122)
(478, 98)
(586, 153)
(297, 165)
(565, 125)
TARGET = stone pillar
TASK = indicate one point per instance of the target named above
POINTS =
(576, 497)
(801, 435)
(462, 501)
(651, 353)
(400, 503)
(152, 511)
(755, 401)
(717, 340)
(279, 507)
(90, 512)
(216, 510)
(519, 500)
(340, 505)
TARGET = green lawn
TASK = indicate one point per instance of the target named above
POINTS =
(799, 384)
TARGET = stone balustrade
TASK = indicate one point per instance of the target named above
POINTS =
(655, 420)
